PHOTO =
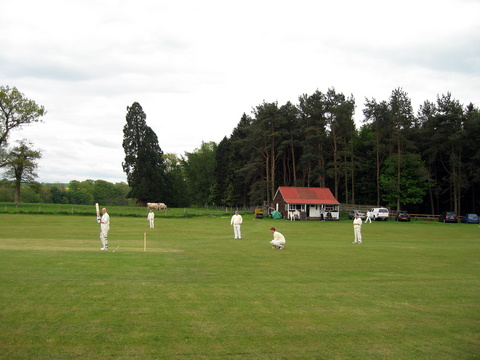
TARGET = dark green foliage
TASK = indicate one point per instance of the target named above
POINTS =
(413, 184)
(144, 164)
(225, 174)
(176, 174)
(445, 141)
(75, 193)
(396, 157)
(364, 165)
(21, 165)
(241, 161)
(199, 170)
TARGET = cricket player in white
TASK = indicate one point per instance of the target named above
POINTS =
(357, 229)
(278, 241)
(236, 222)
(151, 219)
(368, 219)
(104, 228)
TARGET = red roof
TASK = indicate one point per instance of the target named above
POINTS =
(307, 195)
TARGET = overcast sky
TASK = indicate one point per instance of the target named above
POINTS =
(196, 66)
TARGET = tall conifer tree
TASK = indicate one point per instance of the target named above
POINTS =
(144, 164)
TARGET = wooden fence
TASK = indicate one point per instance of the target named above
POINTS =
(424, 217)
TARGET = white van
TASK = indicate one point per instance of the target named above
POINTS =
(379, 214)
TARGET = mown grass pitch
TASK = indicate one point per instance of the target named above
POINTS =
(411, 291)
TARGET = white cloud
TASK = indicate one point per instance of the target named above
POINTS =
(196, 67)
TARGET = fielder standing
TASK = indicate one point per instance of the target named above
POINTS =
(236, 222)
(357, 229)
(368, 219)
(104, 228)
(151, 219)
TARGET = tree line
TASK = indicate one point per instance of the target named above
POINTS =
(85, 192)
(425, 161)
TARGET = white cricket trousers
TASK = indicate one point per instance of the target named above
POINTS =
(236, 232)
(357, 230)
(277, 242)
(104, 237)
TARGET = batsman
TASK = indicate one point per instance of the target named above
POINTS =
(104, 227)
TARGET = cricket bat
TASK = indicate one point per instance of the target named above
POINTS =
(98, 212)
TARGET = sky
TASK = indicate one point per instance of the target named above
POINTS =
(196, 67)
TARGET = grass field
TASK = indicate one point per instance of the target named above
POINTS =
(411, 291)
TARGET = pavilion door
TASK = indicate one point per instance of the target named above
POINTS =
(315, 210)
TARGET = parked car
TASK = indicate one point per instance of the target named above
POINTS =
(379, 214)
(402, 216)
(361, 214)
(470, 219)
(448, 217)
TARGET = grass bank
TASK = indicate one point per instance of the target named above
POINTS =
(129, 211)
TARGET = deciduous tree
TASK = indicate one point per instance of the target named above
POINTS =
(21, 165)
(16, 111)
(200, 172)
(412, 185)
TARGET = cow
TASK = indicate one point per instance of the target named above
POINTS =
(156, 206)
(153, 206)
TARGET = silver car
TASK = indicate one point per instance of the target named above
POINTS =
(361, 214)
